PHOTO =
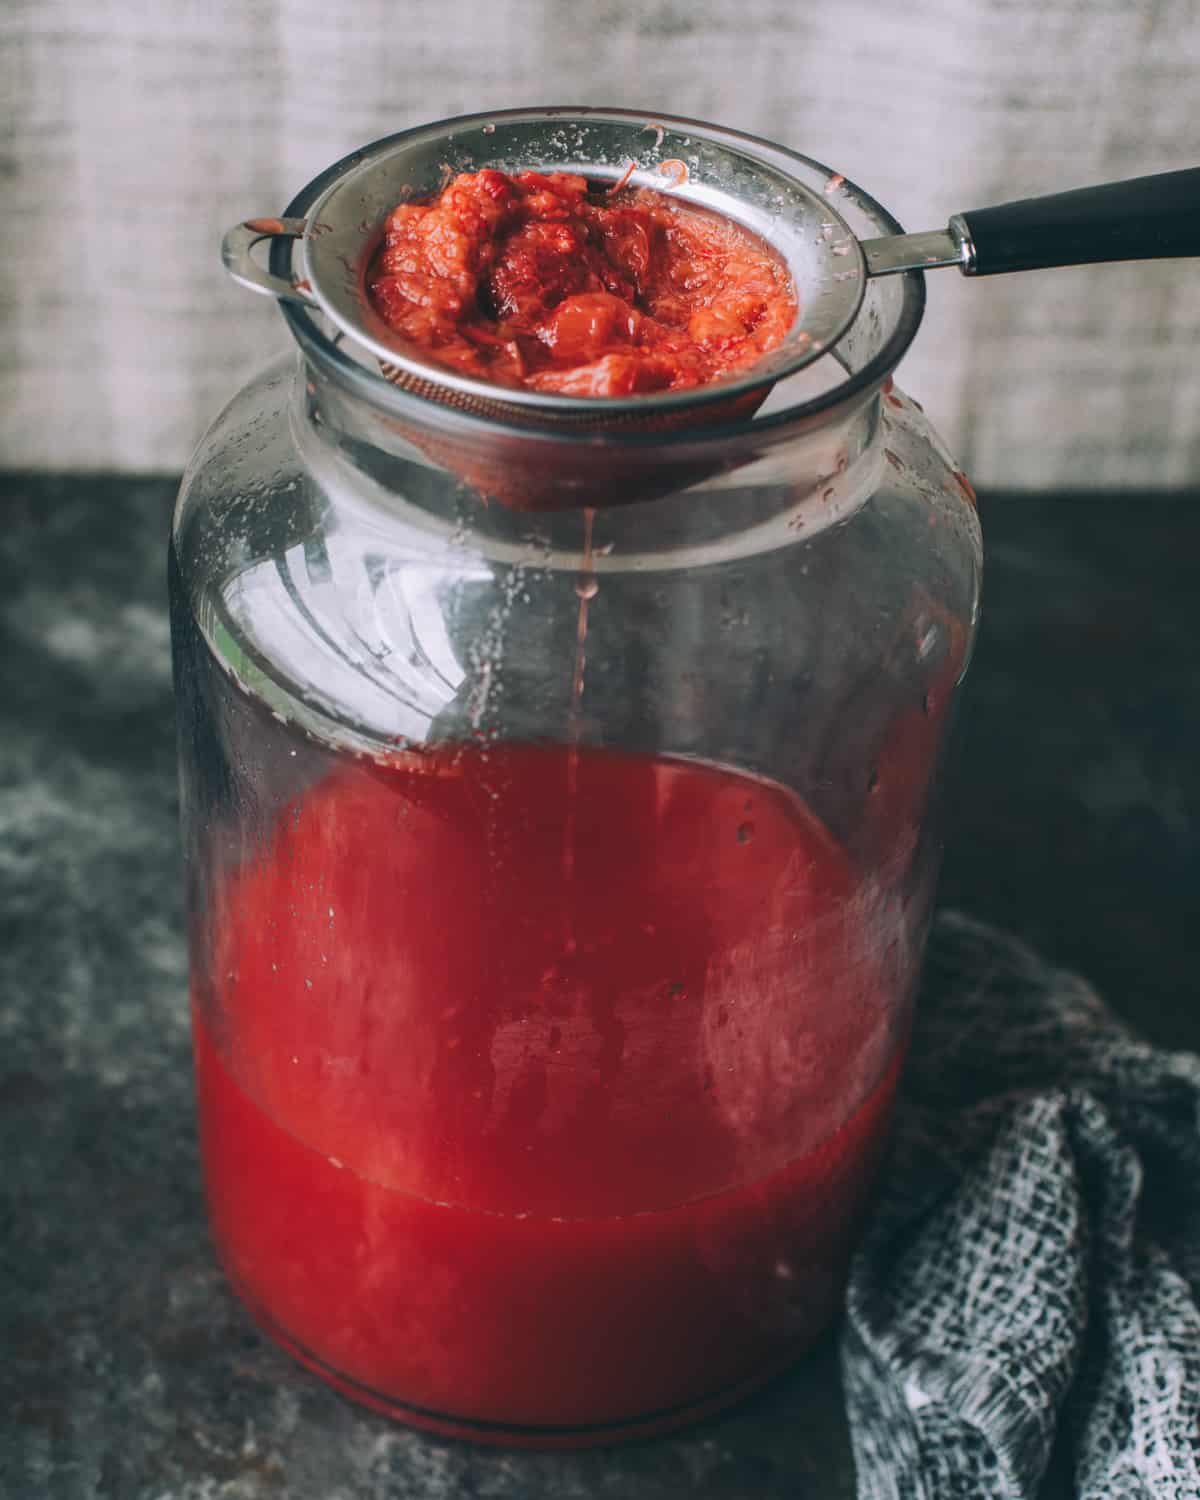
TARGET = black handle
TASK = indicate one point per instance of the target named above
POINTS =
(1146, 218)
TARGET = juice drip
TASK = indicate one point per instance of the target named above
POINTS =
(586, 588)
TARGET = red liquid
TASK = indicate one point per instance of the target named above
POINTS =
(503, 1135)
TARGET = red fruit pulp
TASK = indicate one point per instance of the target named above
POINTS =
(535, 279)
(544, 1116)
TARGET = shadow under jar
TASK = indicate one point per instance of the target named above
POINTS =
(558, 882)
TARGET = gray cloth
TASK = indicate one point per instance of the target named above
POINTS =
(1030, 1280)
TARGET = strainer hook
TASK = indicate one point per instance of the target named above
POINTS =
(241, 265)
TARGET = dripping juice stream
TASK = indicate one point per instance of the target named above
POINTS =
(586, 587)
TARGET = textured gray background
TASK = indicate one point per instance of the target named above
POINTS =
(135, 131)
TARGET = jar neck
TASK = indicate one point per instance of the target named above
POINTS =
(749, 491)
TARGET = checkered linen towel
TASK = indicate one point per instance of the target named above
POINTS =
(1030, 1281)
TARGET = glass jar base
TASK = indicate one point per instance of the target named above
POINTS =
(515, 1435)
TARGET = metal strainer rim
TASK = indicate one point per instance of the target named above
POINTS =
(532, 404)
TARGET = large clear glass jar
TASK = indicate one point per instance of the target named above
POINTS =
(558, 882)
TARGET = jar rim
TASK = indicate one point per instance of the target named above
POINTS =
(325, 351)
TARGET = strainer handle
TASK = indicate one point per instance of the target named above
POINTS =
(1146, 218)
(246, 271)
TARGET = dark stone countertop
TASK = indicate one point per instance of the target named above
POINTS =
(129, 1371)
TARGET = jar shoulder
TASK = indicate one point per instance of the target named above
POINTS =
(381, 594)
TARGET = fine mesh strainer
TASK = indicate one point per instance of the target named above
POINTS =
(321, 259)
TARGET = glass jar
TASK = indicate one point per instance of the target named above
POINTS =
(558, 881)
